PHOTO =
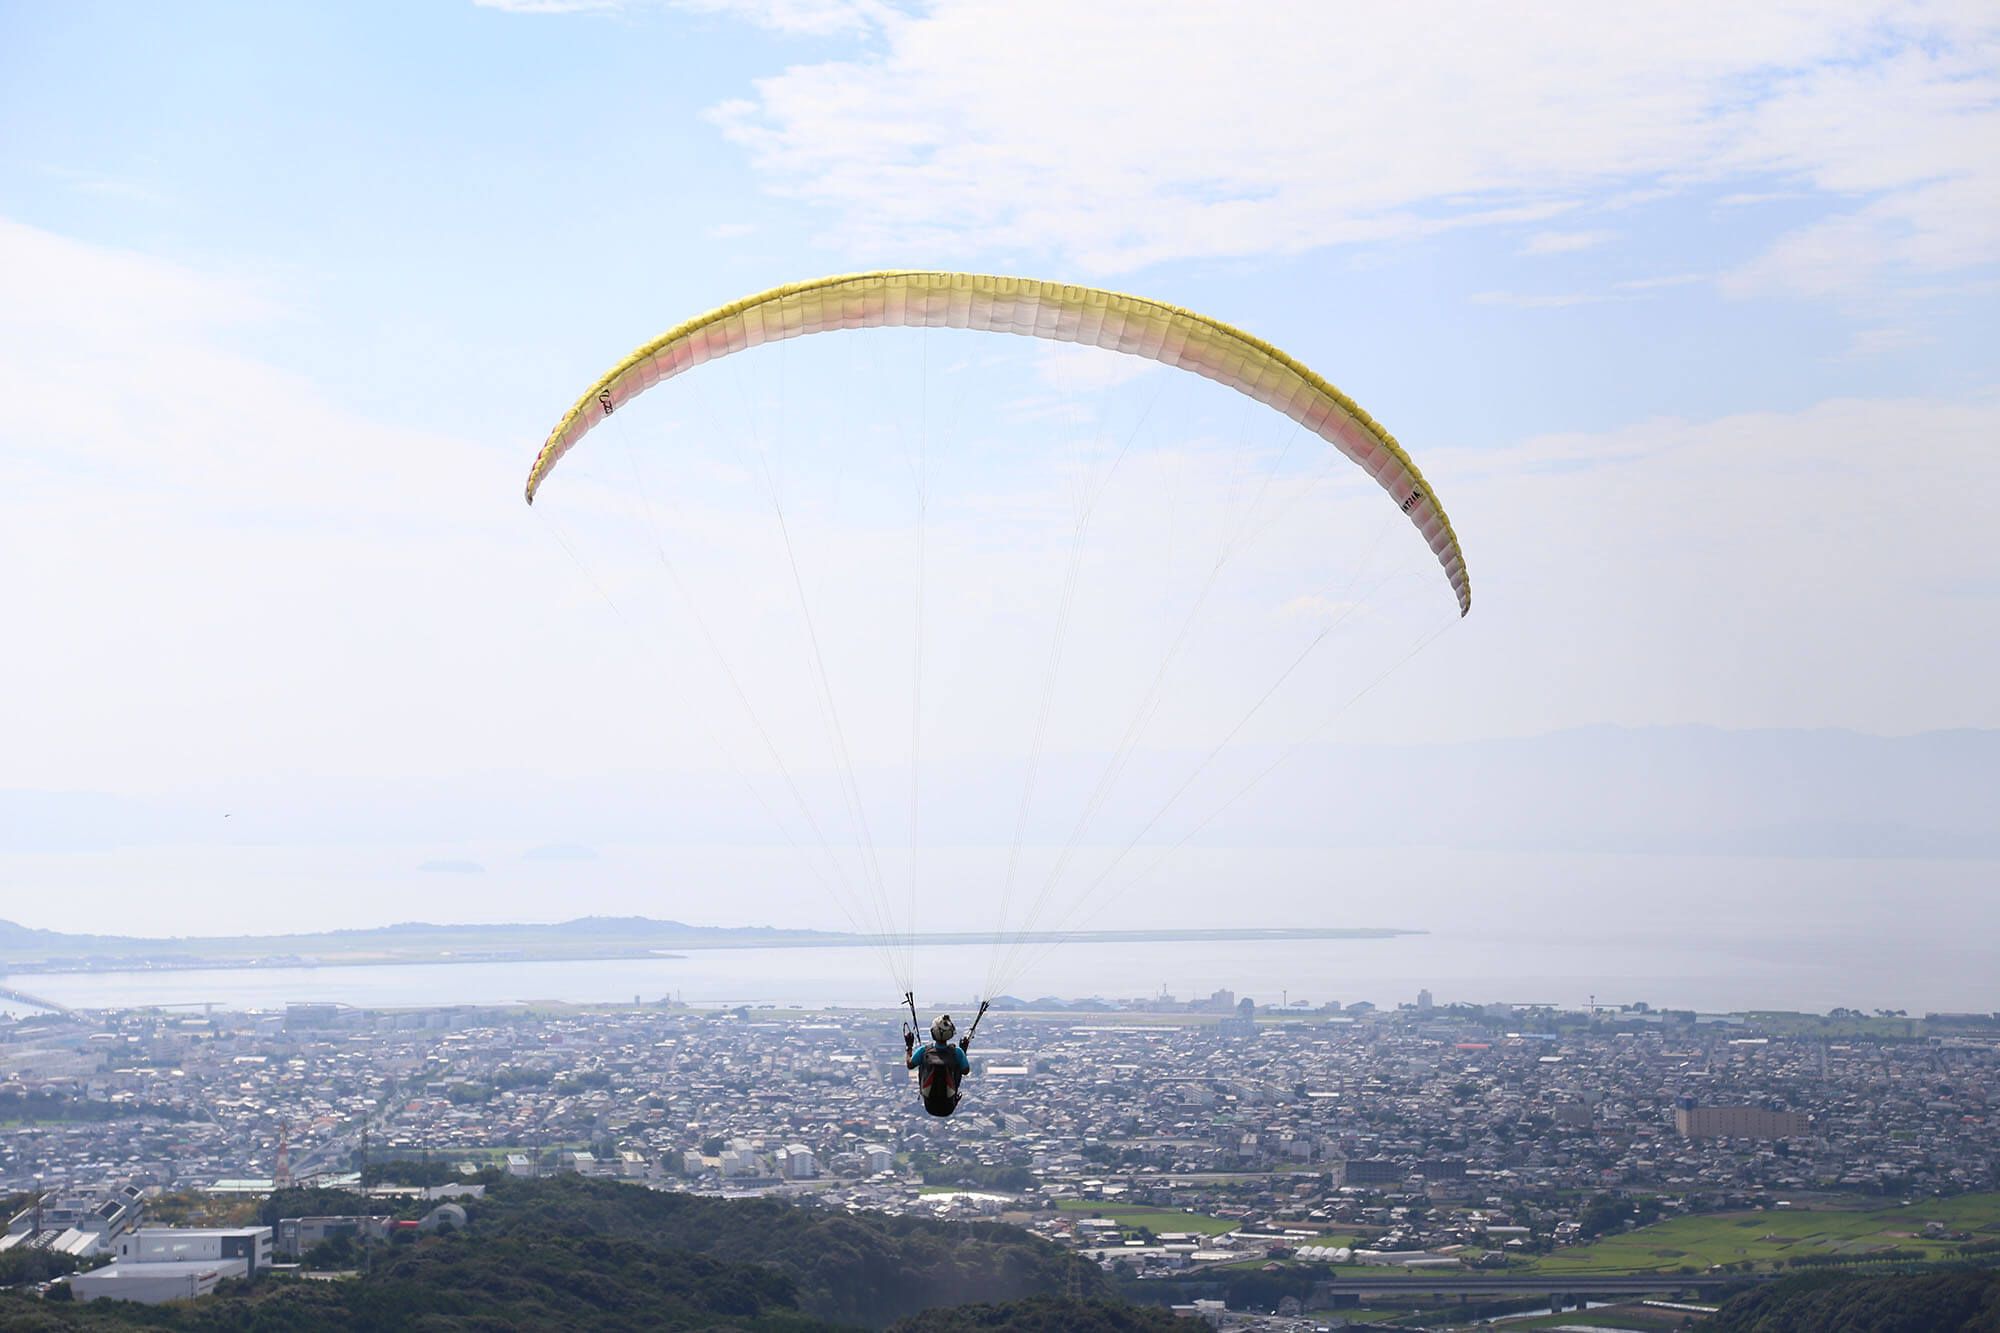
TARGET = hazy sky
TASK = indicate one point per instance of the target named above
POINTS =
(1690, 313)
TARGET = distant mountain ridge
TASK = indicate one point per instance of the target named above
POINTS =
(583, 925)
(407, 941)
(24, 950)
(596, 926)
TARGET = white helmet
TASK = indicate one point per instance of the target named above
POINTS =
(943, 1030)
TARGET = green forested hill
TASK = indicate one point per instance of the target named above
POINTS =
(1952, 1302)
(861, 1268)
(569, 1253)
(458, 1283)
(1043, 1314)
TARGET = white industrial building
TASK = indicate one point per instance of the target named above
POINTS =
(155, 1245)
(175, 1263)
(150, 1284)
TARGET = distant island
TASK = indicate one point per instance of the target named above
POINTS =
(593, 938)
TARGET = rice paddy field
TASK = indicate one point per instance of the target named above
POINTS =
(1765, 1239)
(1155, 1220)
(1613, 1318)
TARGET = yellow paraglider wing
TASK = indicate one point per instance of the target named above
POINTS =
(1051, 310)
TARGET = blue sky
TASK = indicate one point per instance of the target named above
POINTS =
(1691, 317)
(402, 178)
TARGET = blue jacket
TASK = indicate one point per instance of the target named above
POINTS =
(953, 1056)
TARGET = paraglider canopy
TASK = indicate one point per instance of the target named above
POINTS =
(1049, 310)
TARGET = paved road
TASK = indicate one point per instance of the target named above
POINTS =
(1536, 1284)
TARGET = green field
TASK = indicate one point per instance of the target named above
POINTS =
(1354, 1316)
(1155, 1220)
(1629, 1318)
(1767, 1238)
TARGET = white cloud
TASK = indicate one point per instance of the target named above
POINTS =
(1752, 198)
(1074, 367)
(1631, 289)
(552, 6)
(805, 18)
(1563, 242)
(1804, 568)
(103, 186)
(1537, 300)
(53, 286)
(1663, 280)
(1125, 133)
(1885, 338)
(212, 569)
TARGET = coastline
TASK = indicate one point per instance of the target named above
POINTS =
(669, 948)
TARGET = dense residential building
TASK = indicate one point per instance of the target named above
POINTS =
(1454, 1133)
(1739, 1122)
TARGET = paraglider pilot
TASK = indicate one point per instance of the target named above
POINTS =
(940, 1063)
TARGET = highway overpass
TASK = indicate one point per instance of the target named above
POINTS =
(1535, 1284)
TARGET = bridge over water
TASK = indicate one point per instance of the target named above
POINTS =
(35, 1002)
